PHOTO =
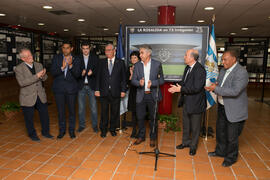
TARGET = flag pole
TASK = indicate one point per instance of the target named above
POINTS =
(119, 34)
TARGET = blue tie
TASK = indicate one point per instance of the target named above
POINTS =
(110, 67)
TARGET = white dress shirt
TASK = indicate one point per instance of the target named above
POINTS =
(228, 71)
(85, 58)
(146, 70)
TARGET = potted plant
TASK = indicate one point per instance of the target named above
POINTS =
(169, 123)
(10, 109)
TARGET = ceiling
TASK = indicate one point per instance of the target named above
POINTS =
(231, 15)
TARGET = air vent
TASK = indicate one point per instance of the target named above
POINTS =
(60, 12)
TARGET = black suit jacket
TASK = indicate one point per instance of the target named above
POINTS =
(117, 80)
(61, 83)
(93, 65)
(193, 95)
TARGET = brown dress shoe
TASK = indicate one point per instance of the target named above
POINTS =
(152, 143)
(139, 141)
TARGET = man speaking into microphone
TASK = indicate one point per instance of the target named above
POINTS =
(147, 77)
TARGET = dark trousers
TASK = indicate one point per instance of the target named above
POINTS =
(227, 134)
(149, 103)
(191, 128)
(28, 113)
(109, 104)
(61, 101)
(134, 121)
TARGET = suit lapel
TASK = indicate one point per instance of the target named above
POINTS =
(151, 70)
(27, 70)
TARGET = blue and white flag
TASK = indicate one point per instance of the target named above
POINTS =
(211, 67)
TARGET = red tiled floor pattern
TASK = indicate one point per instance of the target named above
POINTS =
(91, 157)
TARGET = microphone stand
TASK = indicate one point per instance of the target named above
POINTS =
(156, 151)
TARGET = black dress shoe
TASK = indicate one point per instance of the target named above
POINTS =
(61, 135)
(72, 134)
(113, 133)
(133, 134)
(95, 129)
(103, 134)
(80, 129)
(214, 154)
(35, 138)
(227, 163)
(47, 136)
(192, 151)
(181, 146)
(152, 143)
(139, 141)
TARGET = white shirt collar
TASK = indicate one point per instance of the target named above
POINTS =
(30, 65)
(231, 68)
(85, 57)
(192, 65)
(113, 59)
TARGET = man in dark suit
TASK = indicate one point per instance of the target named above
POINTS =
(65, 70)
(110, 87)
(232, 107)
(147, 77)
(30, 76)
(87, 83)
(193, 100)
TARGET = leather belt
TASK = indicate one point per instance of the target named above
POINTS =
(147, 92)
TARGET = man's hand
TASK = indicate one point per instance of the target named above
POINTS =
(212, 87)
(174, 88)
(44, 72)
(40, 73)
(142, 82)
(90, 72)
(123, 94)
(64, 64)
(149, 84)
(83, 72)
(97, 93)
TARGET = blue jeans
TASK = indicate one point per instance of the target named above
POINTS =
(86, 90)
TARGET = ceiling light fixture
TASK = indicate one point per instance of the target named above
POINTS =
(83, 34)
(130, 9)
(81, 20)
(41, 24)
(232, 33)
(66, 30)
(116, 33)
(47, 7)
(210, 8)
(200, 21)
(105, 29)
(2, 14)
(244, 28)
(142, 21)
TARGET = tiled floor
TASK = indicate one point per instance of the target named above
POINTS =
(91, 157)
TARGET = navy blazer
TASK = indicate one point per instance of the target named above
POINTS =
(193, 95)
(93, 65)
(61, 83)
(117, 80)
(156, 77)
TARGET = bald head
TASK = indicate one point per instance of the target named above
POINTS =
(191, 56)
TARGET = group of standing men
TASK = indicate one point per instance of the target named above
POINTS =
(86, 75)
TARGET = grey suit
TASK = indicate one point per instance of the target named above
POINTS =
(30, 84)
(234, 93)
(234, 112)
(33, 96)
(146, 99)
